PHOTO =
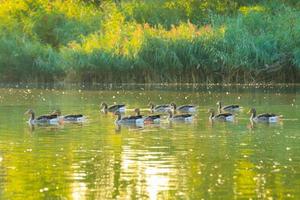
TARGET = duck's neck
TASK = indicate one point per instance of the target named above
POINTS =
(174, 106)
(104, 108)
(220, 107)
(32, 117)
(119, 117)
(152, 108)
(212, 114)
(138, 112)
(253, 115)
(170, 115)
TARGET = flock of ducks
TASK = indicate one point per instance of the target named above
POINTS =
(53, 118)
(225, 113)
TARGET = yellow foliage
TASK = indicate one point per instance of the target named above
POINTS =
(248, 9)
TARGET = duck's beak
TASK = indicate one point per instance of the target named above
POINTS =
(26, 113)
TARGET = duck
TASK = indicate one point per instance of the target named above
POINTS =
(149, 118)
(113, 108)
(160, 108)
(220, 116)
(70, 118)
(228, 108)
(184, 108)
(128, 119)
(180, 117)
(265, 117)
(43, 119)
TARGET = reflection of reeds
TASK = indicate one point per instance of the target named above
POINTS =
(45, 42)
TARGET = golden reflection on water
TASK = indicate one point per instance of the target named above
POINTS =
(153, 173)
(79, 190)
(198, 160)
(155, 182)
(245, 184)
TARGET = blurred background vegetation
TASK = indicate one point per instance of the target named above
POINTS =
(142, 41)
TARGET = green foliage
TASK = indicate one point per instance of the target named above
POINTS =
(149, 41)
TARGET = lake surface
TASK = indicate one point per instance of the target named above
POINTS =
(198, 160)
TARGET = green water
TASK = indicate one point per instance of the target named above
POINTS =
(198, 160)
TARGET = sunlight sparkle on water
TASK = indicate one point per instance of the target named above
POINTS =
(156, 182)
(79, 191)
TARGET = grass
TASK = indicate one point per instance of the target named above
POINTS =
(149, 41)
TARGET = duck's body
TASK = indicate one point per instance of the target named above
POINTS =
(71, 117)
(114, 108)
(44, 119)
(74, 118)
(265, 117)
(129, 119)
(220, 116)
(148, 119)
(152, 119)
(181, 117)
(160, 108)
(184, 108)
(228, 108)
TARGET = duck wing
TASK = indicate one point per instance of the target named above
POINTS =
(266, 115)
(73, 117)
(133, 117)
(231, 107)
(185, 107)
(162, 106)
(223, 115)
(46, 117)
(115, 107)
(182, 116)
(153, 117)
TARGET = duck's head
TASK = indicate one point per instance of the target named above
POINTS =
(103, 105)
(29, 112)
(252, 111)
(151, 105)
(212, 113)
(211, 110)
(173, 105)
(219, 103)
(137, 110)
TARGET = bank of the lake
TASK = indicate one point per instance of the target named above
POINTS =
(150, 41)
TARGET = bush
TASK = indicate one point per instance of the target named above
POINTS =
(24, 60)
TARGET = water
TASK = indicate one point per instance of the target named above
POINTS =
(198, 160)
